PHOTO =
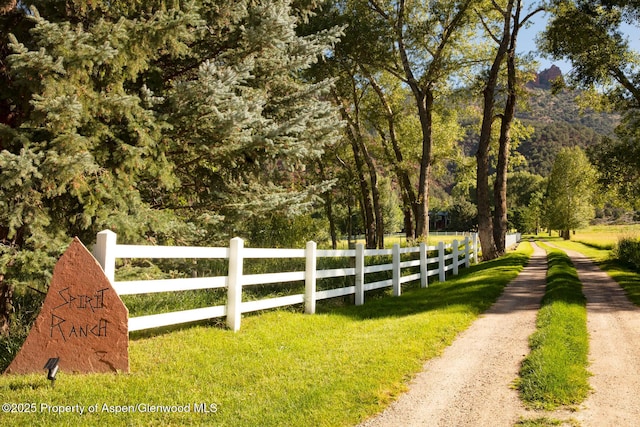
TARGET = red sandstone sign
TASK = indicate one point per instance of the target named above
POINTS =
(82, 321)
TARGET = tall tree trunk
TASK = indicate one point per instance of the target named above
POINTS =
(408, 223)
(355, 138)
(485, 222)
(425, 112)
(6, 305)
(424, 102)
(396, 159)
(500, 220)
(365, 198)
(328, 203)
(375, 195)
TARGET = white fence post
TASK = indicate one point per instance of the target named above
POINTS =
(310, 278)
(424, 278)
(234, 293)
(104, 253)
(396, 270)
(441, 276)
(359, 274)
(467, 261)
(455, 257)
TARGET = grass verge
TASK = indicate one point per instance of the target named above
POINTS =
(554, 374)
(547, 422)
(335, 368)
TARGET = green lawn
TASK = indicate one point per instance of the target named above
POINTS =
(604, 236)
(337, 367)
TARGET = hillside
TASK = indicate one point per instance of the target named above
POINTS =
(558, 122)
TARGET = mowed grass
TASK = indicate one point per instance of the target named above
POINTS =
(334, 368)
(605, 236)
(389, 241)
(554, 374)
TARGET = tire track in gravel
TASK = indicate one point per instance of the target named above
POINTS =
(613, 323)
(471, 383)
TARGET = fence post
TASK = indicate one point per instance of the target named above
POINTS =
(424, 278)
(359, 274)
(456, 254)
(441, 276)
(467, 261)
(396, 270)
(310, 278)
(234, 293)
(104, 252)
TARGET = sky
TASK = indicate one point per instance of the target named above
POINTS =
(527, 42)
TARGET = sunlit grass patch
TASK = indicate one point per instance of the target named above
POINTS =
(547, 422)
(555, 373)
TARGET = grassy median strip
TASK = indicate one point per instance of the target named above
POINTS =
(335, 368)
(555, 373)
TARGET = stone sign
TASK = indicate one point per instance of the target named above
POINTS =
(82, 321)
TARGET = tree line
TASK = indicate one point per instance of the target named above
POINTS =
(187, 122)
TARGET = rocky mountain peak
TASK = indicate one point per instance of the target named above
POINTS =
(545, 78)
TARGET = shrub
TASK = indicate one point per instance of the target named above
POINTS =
(628, 251)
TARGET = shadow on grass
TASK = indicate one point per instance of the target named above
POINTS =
(627, 277)
(474, 290)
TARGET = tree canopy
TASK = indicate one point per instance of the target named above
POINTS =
(590, 34)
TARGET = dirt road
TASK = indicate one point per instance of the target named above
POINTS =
(614, 350)
(471, 384)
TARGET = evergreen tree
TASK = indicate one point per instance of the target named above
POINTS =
(154, 121)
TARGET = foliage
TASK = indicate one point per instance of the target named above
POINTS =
(589, 34)
(464, 216)
(282, 231)
(570, 191)
(628, 251)
(555, 372)
(549, 138)
(26, 308)
(618, 161)
(167, 124)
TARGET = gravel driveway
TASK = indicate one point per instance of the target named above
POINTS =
(471, 383)
(614, 350)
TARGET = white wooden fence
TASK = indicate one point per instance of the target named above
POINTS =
(107, 250)
(511, 240)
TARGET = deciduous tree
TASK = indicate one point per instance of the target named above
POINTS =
(570, 192)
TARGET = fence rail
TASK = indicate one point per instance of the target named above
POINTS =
(107, 250)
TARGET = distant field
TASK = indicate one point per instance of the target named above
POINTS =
(605, 236)
(390, 240)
